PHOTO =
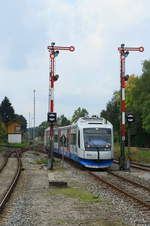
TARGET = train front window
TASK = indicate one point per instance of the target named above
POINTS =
(97, 138)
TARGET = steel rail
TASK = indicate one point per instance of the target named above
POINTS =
(145, 204)
(23, 149)
(130, 181)
(140, 167)
(12, 185)
(136, 165)
(4, 164)
(140, 164)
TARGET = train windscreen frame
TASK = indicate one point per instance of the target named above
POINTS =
(97, 139)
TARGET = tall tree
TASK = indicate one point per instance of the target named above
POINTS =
(146, 116)
(41, 128)
(22, 119)
(141, 96)
(138, 103)
(80, 112)
(6, 110)
(3, 132)
(63, 121)
(129, 87)
(112, 112)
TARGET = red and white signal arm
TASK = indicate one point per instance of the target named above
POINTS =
(72, 48)
(141, 49)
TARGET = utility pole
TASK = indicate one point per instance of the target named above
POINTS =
(124, 52)
(52, 117)
(29, 133)
(33, 115)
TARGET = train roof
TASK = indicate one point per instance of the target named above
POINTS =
(86, 121)
(93, 120)
(89, 122)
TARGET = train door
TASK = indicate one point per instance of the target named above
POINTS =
(68, 140)
(59, 143)
(56, 139)
(73, 143)
(80, 147)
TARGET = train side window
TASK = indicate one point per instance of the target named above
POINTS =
(73, 139)
(79, 138)
(55, 138)
(68, 140)
(59, 141)
(47, 137)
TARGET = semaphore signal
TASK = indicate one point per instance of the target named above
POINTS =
(52, 116)
(124, 52)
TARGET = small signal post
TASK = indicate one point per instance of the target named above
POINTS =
(124, 52)
(52, 116)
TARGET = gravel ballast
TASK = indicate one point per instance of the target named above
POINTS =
(83, 202)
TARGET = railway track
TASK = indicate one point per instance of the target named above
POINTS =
(4, 160)
(140, 166)
(135, 191)
(137, 165)
(10, 169)
(121, 184)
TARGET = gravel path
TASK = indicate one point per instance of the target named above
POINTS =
(84, 202)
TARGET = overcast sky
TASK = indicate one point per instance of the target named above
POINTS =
(88, 76)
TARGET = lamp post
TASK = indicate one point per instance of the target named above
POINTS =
(34, 115)
(29, 132)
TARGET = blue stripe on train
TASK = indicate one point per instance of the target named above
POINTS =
(86, 162)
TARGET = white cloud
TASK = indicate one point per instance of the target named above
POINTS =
(89, 75)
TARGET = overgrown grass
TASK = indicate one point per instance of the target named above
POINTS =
(24, 144)
(2, 149)
(41, 161)
(81, 194)
(135, 154)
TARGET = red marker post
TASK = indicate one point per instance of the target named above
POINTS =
(124, 52)
(52, 118)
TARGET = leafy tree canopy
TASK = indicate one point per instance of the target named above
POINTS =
(137, 93)
(80, 112)
(6, 110)
(112, 112)
(41, 128)
(3, 132)
(63, 121)
(7, 114)
(22, 120)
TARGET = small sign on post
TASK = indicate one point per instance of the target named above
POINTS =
(130, 118)
(51, 117)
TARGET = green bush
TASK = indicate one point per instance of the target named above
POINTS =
(3, 132)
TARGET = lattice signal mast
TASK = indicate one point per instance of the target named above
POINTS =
(54, 52)
(124, 52)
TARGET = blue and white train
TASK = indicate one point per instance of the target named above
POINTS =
(89, 142)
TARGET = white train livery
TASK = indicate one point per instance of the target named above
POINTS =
(89, 142)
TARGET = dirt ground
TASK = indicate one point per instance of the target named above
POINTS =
(81, 202)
